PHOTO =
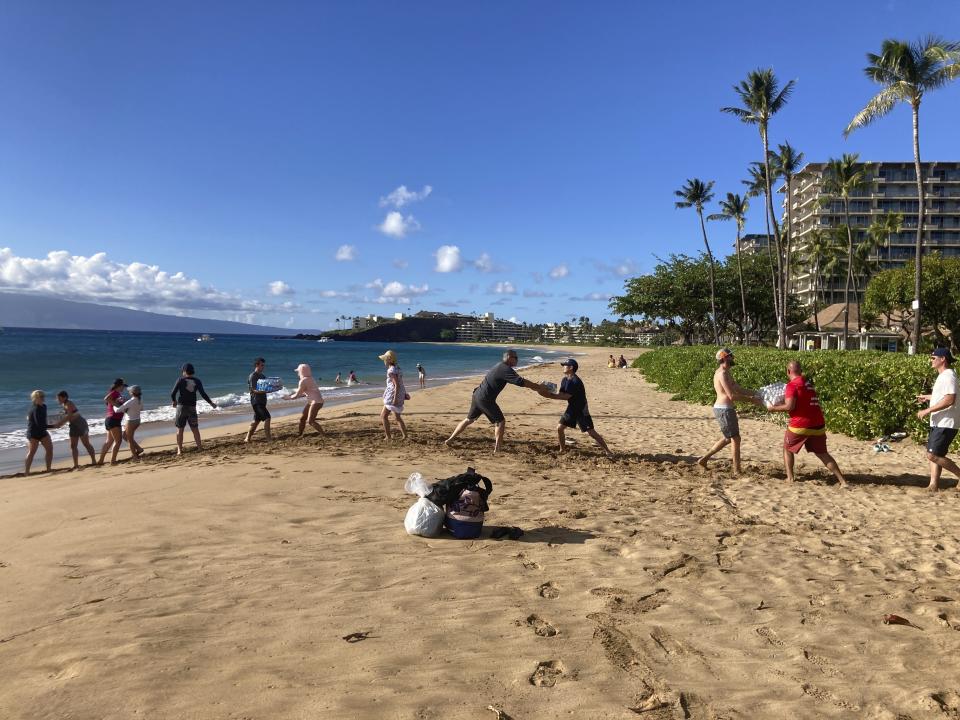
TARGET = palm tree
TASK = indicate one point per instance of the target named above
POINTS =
(756, 186)
(842, 178)
(763, 98)
(787, 162)
(696, 193)
(883, 228)
(735, 208)
(906, 71)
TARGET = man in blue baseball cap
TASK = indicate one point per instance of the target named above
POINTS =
(577, 413)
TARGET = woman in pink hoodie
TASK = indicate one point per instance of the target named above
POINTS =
(308, 389)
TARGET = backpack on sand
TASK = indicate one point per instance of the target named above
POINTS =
(465, 498)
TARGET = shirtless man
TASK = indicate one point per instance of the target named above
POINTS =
(724, 410)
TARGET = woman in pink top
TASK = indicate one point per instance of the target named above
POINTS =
(113, 400)
(308, 389)
(393, 395)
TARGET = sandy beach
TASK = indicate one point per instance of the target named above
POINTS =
(222, 584)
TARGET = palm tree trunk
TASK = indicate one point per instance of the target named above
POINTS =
(781, 315)
(713, 295)
(773, 271)
(743, 295)
(816, 284)
(919, 247)
(846, 291)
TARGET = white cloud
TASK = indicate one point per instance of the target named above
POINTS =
(448, 259)
(396, 225)
(619, 269)
(594, 296)
(334, 294)
(504, 287)
(289, 322)
(135, 285)
(395, 292)
(560, 271)
(345, 253)
(401, 196)
(484, 263)
(513, 319)
(279, 287)
(400, 264)
(536, 293)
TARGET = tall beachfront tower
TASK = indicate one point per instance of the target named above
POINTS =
(891, 188)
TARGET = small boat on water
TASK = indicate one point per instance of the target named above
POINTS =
(325, 339)
(204, 338)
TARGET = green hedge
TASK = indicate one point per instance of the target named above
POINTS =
(863, 394)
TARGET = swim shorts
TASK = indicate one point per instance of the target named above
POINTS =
(938, 442)
(580, 420)
(727, 419)
(79, 428)
(260, 412)
(113, 422)
(491, 411)
(186, 414)
(813, 439)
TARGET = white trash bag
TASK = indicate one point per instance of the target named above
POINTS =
(551, 387)
(773, 394)
(423, 518)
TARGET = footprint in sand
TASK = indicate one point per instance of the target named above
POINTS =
(527, 563)
(547, 673)
(541, 627)
(549, 590)
(608, 591)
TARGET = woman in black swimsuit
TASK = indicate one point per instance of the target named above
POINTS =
(37, 431)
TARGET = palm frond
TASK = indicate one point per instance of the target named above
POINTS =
(880, 104)
(782, 97)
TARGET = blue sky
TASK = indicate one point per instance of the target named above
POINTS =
(215, 159)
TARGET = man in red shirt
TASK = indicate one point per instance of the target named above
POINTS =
(807, 426)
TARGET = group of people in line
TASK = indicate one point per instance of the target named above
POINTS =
(123, 414)
(620, 362)
(807, 428)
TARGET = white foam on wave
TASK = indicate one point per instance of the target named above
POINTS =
(165, 413)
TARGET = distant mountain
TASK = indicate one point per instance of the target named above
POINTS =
(19, 310)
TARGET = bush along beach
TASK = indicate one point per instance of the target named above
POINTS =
(863, 394)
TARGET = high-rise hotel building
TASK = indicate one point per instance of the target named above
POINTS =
(892, 187)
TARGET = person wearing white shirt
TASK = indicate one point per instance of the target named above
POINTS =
(131, 414)
(944, 415)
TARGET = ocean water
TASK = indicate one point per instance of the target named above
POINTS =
(85, 363)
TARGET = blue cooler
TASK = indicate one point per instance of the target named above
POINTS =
(464, 529)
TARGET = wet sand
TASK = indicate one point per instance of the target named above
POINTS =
(223, 584)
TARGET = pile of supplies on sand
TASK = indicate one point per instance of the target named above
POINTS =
(457, 503)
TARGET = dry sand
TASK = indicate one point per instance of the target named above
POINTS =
(222, 585)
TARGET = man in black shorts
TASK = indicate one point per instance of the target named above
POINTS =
(485, 397)
(258, 401)
(577, 413)
(184, 396)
